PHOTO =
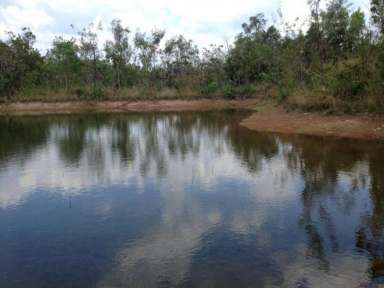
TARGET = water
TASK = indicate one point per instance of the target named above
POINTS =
(185, 200)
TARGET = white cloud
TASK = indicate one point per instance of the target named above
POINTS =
(14, 16)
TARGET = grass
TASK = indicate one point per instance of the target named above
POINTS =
(299, 99)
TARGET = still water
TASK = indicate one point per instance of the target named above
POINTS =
(185, 200)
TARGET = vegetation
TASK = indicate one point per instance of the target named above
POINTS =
(335, 63)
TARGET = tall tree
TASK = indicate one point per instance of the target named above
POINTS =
(148, 47)
(8, 69)
(377, 11)
(20, 62)
(63, 59)
(335, 22)
(118, 51)
(179, 57)
(253, 57)
(89, 51)
(314, 37)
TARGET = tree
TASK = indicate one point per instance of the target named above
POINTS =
(253, 57)
(314, 44)
(213, 68)
(7, 70)
(179, 58)
(377, 11)
(335, 24)
(89, 52)
(20, 62)
(118, 51)
(64, 61)
(356, 31)
(148, 47)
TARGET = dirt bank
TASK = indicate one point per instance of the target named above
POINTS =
(355, 127)
(123, 106)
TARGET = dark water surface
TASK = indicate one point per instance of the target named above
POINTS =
(185, 200)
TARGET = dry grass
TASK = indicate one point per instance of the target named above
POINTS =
(127, 94)
(301, 99)
(311, 100)
(151, 94)
(305, 100)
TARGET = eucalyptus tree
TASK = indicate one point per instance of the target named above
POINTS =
(377, 11)
(335, 22)
(213, 68)
(119, 51)
(63, 60)
(7, 70)
(180, 58)
(377, 14)
(255, 51)
(89, 52)
(314, 38)
(356, 31)
(147, 47)
(20, 62)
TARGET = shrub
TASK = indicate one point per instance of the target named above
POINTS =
(209, 88)
(348, 79)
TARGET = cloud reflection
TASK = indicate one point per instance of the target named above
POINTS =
(227, 197)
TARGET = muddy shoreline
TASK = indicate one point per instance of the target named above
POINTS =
(312, 124)
(269, 119)
(38, 108)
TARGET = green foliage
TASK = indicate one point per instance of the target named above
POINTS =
(119, 52)
(253, 57)
(63, 63)
(284, 90)
(20, 63)
(209, 88)
(377, 11)
(179, 58)
(348, 79)
(337, 56)
(147, 47)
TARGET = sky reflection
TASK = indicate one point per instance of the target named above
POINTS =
(188, 200)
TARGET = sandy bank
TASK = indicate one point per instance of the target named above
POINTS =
(123, 106)
(354, 127)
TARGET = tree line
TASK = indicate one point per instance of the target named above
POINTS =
(337, 60)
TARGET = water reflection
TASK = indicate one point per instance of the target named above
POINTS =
(191, 200)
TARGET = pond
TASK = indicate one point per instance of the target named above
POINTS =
(185, 200)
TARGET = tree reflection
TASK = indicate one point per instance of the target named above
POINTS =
(322, 162)
(252, 148)
(75, 134)
(20, 137)
(264, 183)
(369, 236)
(122, 140)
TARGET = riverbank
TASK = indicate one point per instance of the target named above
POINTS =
(36, 108)
(313, 124)
(266, 118)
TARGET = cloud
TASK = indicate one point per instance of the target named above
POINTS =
(16, 16)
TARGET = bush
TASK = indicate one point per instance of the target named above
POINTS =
(285, 89)
(246, 91)
(90, 93)
(229, 91)
(348, 79)
(209, 88)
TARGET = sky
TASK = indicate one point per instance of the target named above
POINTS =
(205, 21)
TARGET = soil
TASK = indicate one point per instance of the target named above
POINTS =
(268, 119)
(353, 127)
(32, 108)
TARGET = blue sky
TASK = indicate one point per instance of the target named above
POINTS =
(204, 21)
